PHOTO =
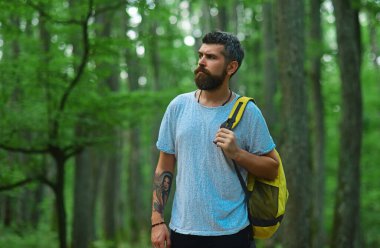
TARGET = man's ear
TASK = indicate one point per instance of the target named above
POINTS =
(232, 67)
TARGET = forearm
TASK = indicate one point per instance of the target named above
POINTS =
(162, 182)
(159, 196)
(264, 166)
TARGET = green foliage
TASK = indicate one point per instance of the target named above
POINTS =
(42, 237)
(40, 57)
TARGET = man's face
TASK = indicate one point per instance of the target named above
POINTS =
(212, 68)
(166, 183)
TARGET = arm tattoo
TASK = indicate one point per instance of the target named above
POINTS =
(161, 188)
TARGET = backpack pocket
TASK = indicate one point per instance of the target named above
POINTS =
(263, 203)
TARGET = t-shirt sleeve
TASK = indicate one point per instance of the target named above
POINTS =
(260, 142)
(166, 135)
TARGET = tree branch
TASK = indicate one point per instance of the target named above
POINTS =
(46, 181)
(24, 150)
(44, 14)
(82, 65)
(25, 181)
(80, 70)
(17, 184)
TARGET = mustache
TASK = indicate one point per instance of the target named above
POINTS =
(201, 69)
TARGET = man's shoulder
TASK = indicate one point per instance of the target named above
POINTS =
(252, 111)
(251, 105)
(182, 98)
(187, 95)
(180, 102)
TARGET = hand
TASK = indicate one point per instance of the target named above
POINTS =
(160, 235)
(226, 140)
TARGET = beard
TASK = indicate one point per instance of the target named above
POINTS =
(206, 81)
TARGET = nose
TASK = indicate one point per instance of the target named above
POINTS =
(202, 60)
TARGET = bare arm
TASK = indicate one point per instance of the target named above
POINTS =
(162, 182)
(265, 166)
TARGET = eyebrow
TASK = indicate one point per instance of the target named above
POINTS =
(210, 53)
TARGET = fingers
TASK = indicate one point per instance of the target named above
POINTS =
(160, 235)
(159, 244)
(224, 133)
(167, 239)
(225, 130)
(226, 140)
(224, 137)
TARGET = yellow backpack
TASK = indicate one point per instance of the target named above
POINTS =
(266, 200)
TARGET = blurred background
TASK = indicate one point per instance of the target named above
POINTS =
(84, 85)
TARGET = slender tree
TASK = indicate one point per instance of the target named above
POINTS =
(83, 216)
(135, 152)
(295, 150)
(318, 170)
(113, 170)
(270, 79)
(347, 215)
(84, 177)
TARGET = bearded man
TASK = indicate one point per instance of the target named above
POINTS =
(209, 207)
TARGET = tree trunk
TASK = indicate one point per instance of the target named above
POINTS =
(156, 119)
(270, 66)
(38, 196)
(55, 152)
(84, 177)
(255, 82)
(111, 213)
(223, 19)
(60, 198)
(235, 16)
(295, 150)
(134, 185)
(347, 206)
(207, 24)
(112, 191)
(270, 78)
(155, 56)
(84, 203)
(318, 170)
(229, 17)
(8, 202)
(92, 160)
(7, 211)
(134, 161)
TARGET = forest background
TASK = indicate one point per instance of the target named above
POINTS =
(84, 85)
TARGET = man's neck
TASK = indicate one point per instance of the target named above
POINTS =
(214, 98)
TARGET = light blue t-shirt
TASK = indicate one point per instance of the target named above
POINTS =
(209, 200)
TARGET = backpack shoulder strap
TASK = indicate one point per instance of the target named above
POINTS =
(233, 120)
(237, 112)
